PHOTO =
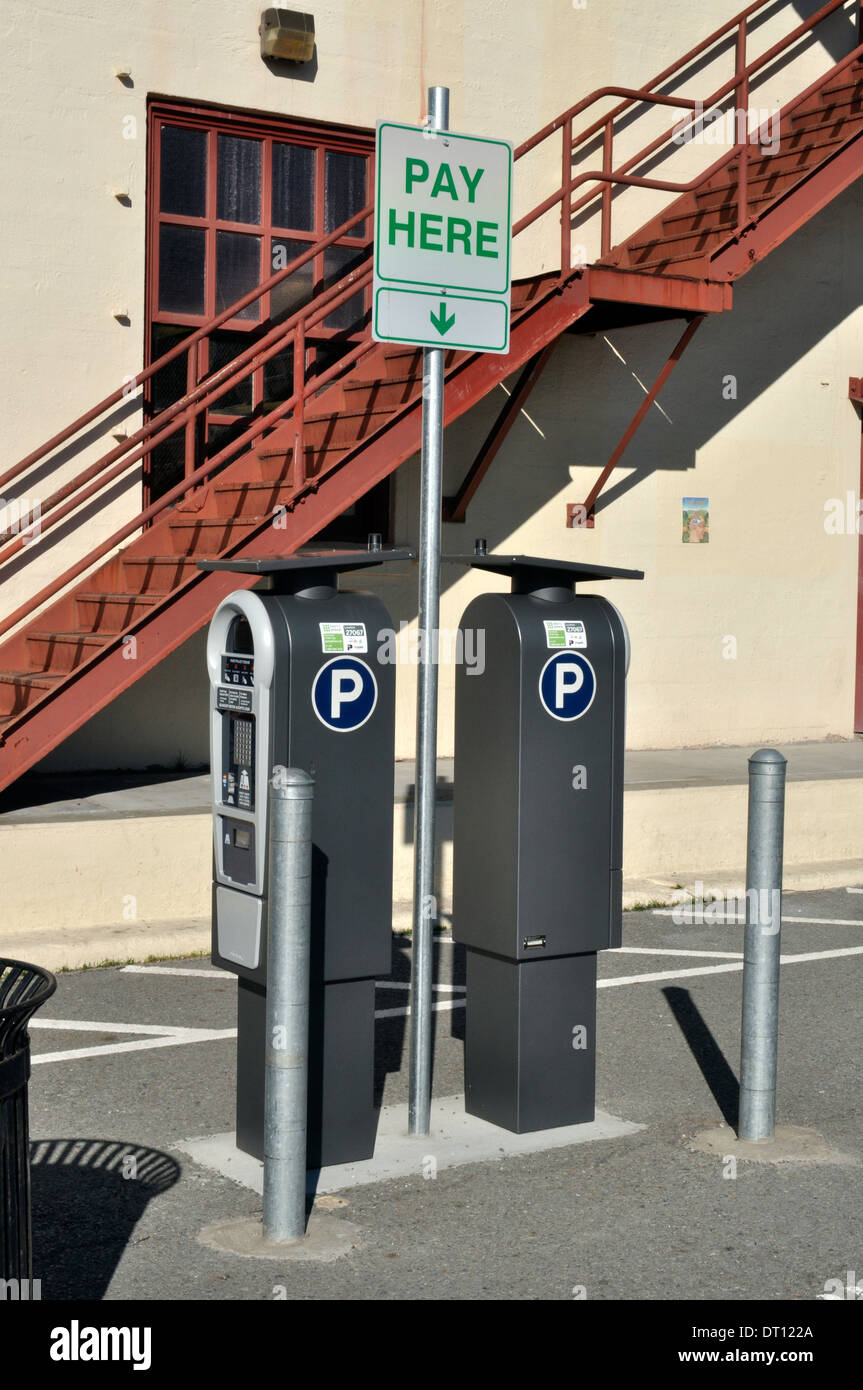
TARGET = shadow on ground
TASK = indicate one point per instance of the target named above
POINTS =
(707, 1053)
(88, 1196)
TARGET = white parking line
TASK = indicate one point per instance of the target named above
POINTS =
(150, 1035)
(672, 951)
(611, 982)
(214, 973)
(688, 920)
(402, 984)
(443, 1006)
(164, 1037)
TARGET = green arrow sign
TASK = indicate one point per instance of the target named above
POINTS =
(441, 321)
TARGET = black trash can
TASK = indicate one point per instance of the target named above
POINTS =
(23, 988)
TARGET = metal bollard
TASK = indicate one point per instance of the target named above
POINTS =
(287, 1049)
(760, 1029)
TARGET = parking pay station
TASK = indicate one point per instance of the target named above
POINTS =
(538, 822)
(295, 681)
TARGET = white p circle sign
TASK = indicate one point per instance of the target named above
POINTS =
(567, 685)
(344, 694)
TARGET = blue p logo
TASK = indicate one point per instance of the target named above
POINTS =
(567, 685)
(344, 694)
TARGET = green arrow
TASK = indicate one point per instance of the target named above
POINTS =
(442, 323)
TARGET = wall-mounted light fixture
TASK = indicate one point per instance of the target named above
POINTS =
(287, 34)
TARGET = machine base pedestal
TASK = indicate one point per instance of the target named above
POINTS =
(530, 1041)
(342, 1118)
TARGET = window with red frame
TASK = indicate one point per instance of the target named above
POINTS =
(233, 198)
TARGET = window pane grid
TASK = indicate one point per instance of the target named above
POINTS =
(226, 203)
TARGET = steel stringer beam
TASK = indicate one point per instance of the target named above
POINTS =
(455, 508)
(634, 425)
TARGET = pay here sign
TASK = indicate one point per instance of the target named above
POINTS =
(443, 214)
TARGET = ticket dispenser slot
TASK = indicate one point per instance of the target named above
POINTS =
(298, 680)
(538, 836)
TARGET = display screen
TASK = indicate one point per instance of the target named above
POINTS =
(238, 670)
(242, 839)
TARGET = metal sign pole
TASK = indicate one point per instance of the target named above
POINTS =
(424, 914)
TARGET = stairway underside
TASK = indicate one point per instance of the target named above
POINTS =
(76, 656)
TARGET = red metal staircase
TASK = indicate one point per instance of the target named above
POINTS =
(126, 603)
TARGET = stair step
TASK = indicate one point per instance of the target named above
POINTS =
(848, 81)
(723, 216)
(386, 393)
(207, 535)
(839, 107)
(405, 353)
(158, 574)
(697, 260)
(338, 427)
(253, 499)
(19, 690)
(111, 612)
(797, 165)
(62, 651)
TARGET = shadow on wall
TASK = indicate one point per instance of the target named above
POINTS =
(590, 391)
(88, 1197)
(837, 34)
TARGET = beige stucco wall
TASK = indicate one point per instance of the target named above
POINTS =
(771, 577)
(750, 638)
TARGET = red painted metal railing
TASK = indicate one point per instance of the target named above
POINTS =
(295, 331)
(608, 176)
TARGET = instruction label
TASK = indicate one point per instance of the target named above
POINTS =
(343, 637)
(564, 633)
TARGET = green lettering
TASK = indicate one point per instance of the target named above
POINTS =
(471, 183)
(413, 174)
(457, 229)
(395, 227)
(427, 231)
(444, 182)
(486, 233)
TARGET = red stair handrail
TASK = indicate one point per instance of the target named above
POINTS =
(187, 343)
(74, 493)
(201, 394)
(608, 176)
(257, 427)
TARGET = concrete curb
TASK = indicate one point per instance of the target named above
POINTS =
(71, 948)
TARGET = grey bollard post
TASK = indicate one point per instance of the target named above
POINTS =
(287, 1046)
(760, 1030)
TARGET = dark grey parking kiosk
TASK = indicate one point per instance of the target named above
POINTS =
(538, 824)
(296, 681)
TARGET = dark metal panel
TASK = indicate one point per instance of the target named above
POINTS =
(525, 1067)
(342, 1117)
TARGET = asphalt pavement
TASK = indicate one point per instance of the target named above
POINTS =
(130, 1064)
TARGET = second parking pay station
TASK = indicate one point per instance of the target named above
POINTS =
(296, 681)
(538, 821)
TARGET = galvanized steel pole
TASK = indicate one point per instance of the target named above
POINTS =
(287, 1044)
(425, 907)
(760, 1029)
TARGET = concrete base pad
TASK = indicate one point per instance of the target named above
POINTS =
(790, 1144)
(326, 1239)
(455, 1139)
